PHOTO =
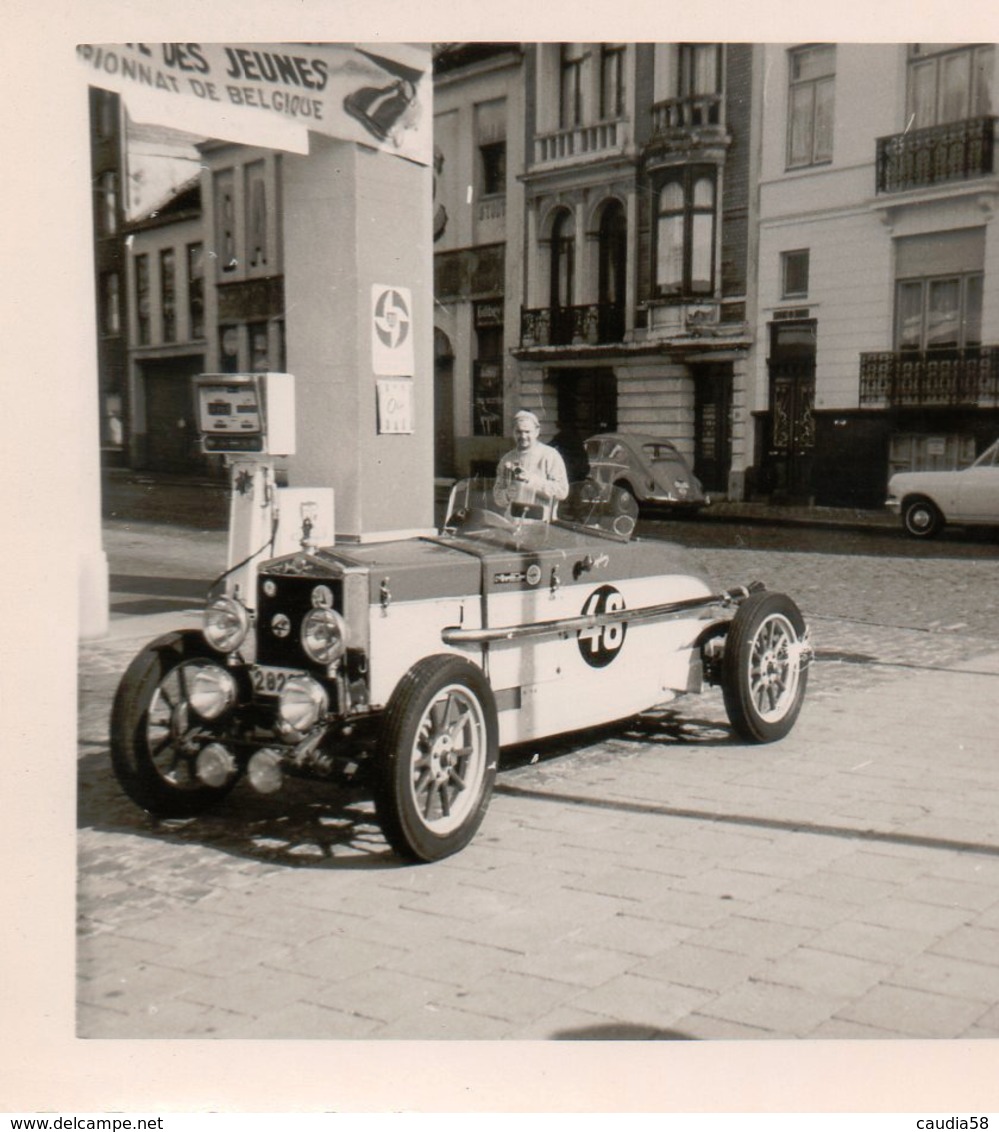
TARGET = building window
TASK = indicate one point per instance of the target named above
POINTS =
(260, 356)
(685, 234)
(111, 303)
(611, 80)
(487, 373)
(493, 158)
(810, 105)
(196, 289)
(225, 220)
(142, 303)
(256, 215)
(168, 294)
(572, 56)
(938, 290)
(563, 260)
(700, 69)
(943, 313)
(794, 274)
(229, 349)
(107, 186)
(949, 83)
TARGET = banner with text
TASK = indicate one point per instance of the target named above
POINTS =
(378, 95)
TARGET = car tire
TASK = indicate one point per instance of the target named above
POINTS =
(763, 670)
(922, 519)
(437, 759)
(156, 735)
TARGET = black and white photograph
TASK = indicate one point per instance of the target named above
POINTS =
(533, 545)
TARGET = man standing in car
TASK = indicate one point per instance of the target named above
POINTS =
(533, 473)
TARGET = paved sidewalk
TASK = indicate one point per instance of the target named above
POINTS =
(657, 881)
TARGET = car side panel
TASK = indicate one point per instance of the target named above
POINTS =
(576, 680)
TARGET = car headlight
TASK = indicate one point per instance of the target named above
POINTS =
(302, 703)
(324, 636)
(225, 624)
(210, 691)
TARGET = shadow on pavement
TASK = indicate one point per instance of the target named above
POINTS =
(621, 1032)
(307, 825)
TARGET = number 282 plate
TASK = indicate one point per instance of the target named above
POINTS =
(268, 681)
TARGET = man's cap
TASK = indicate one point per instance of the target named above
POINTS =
(527, 415)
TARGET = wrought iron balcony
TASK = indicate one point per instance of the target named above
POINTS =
(580, 141)
(920, 158)
(916, 379)
(591, 324)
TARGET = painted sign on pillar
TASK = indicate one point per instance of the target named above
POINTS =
(392, 331)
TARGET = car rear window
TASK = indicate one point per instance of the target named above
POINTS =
(661, 453)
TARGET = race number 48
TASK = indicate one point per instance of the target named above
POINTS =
(600, 644)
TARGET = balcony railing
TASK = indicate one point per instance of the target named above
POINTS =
(592, 324)
(602, 137)
(932, 378)
(920, 158)
(686, 113)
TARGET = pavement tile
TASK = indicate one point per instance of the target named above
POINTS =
(873, 865)
(693, 965)
(951, 892)
(842, 976)
(694, 909)
(563, 913)
(830, 884)
(758, 939)
(252, 992)
(628, 884)
(399, 928)
(702, 1027)
(572, 961)
(138, 987)
(946, 974)
(849, 1031)
(877, 942)
(339, 955)
(638, 1001)
(914, 916)
(461, 902)
(798, 910)
(308, 1020)
(451, 961)
(974, 943)
(509, 996)
(166, 1019)
(633, 935)
(909, 1012)
(729, 884)
(441, 1023)
(380, 993)
(788, 1011)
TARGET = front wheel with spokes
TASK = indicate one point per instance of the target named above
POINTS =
(437, 761)
(765, 667)
(167, 708)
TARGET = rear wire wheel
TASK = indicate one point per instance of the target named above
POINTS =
(764, 671)
(439, 750)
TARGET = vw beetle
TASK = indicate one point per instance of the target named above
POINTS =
(415, 661)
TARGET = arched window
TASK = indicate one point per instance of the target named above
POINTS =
(563, 262)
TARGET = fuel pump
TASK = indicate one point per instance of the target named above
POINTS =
(249, 418)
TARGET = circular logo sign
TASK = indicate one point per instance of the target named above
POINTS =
(391, 319)
(280, 625)
(533, 574)
(601, 644)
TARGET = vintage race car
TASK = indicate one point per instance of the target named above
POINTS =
(414, 661)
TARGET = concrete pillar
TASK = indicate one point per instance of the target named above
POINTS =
(92, 564)
(356, 219)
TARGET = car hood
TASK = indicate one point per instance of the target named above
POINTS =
(903, 482)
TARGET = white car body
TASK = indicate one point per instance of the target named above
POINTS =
(929, 500)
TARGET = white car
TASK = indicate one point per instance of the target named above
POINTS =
(928, 500)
